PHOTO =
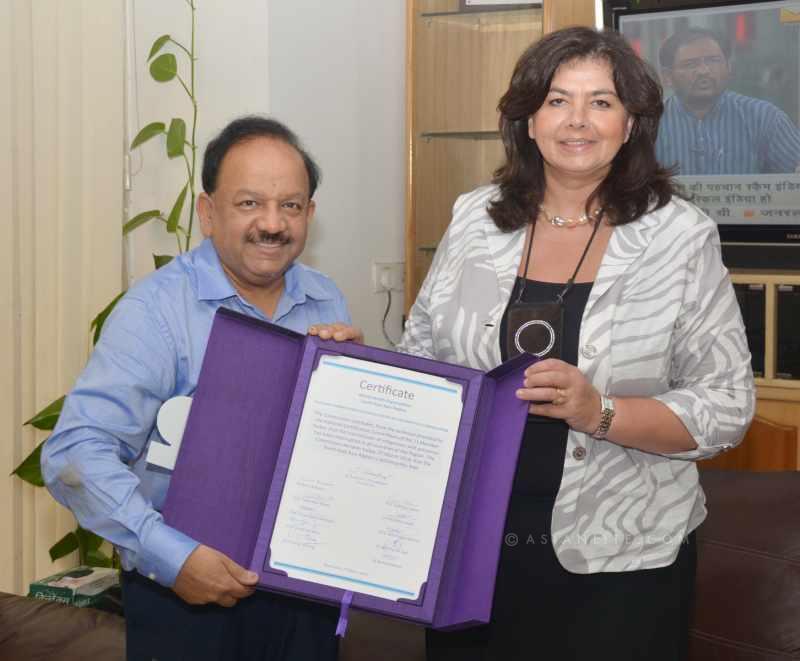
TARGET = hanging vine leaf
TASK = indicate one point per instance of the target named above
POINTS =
(64, 546)
(177, 210)
(176, 137)
(100, 319)
(150, 131)
(46, 418)
(30, 469)
(158, 44)
(161, 260)
(139, 219)
(164, 68)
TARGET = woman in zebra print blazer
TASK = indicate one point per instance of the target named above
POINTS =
(583, 235)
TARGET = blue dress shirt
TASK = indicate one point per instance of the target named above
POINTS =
(151, 349)
(740, 135)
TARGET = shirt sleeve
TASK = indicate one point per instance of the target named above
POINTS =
(782, 152)
(103, 429)
(713, 391)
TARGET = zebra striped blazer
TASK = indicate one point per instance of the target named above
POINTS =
(661, 321)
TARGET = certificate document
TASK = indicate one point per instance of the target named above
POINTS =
(364, 490)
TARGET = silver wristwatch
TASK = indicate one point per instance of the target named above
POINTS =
(606, 416)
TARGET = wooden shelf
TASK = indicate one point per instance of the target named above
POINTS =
(777, 400)
(459, 63)
(461, 135)
(480, 10)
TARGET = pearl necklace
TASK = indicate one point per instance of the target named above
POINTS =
(561, 221)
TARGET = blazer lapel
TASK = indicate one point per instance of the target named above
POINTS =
(627, 243)
(505, 252)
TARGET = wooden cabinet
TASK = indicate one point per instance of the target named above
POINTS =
(778, 400)
(459, 64)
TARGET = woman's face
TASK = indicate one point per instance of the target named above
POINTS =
(582, 123)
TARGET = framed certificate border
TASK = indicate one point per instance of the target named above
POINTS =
(236, 448)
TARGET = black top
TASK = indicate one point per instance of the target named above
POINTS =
(541, 457)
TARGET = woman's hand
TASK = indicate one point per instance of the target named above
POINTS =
(338, 332)
(562, 391)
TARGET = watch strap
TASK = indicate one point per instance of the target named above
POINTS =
(606, 416)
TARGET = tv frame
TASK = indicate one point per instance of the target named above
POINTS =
(759, 246)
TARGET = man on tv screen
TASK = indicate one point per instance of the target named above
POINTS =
(706, 128)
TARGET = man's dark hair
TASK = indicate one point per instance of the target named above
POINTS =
(669, 49)
(636, 183)
(247, 128)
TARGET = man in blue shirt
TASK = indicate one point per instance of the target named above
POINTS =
(707, 129)
(255, 212)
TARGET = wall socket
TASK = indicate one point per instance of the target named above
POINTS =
(388, 276)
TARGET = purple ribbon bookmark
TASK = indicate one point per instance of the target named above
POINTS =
(344, 611)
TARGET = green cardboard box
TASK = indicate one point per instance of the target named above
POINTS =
(79, 586)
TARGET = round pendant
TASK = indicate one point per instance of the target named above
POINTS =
(536, 337)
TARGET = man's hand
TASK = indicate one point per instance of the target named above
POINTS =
(210, 577)
(338, 332)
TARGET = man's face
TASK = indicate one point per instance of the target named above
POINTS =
(258, 216)
(700, 72)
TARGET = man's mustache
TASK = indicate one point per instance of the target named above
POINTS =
(280, 238)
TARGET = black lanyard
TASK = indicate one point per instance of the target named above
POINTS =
(571, 281)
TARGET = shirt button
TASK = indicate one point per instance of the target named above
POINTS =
(589, 351)
(579, 453)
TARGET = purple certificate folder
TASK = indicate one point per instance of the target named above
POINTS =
(238, 442)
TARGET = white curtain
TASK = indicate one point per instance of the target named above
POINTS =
(61, 199)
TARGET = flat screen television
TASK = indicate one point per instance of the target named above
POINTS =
(731, 126)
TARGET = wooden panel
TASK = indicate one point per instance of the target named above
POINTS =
(565, 13)
(463, 64)
(444, 168)
(768, 446)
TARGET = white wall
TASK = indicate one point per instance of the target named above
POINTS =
(335, 73)
(337, 76)
(231, 80)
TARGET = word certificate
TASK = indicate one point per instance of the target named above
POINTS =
(364, 489)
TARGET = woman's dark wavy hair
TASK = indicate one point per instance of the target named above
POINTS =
(636, 183)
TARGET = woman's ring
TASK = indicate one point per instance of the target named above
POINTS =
(561, 397)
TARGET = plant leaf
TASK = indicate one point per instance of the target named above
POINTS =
(64, 546)
(97, 559)
(164, 68)
(158, 44)
(46, 418)
(177, 209)
(139, 219)
(100, 319)
(161, 260)
(87, 540)
(176, 137)
(150, 131)
(30, 469)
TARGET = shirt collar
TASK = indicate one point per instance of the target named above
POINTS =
(300, 282)
(212, 283)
